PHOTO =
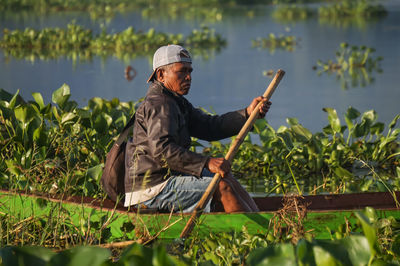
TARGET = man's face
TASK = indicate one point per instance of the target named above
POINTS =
(178, 77)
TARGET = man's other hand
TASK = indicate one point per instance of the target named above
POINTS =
(263, 108)
(219, 165)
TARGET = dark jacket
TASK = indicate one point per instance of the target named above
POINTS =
(164, 124)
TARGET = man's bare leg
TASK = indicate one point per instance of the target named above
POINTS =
(242, 193)
(230, 200)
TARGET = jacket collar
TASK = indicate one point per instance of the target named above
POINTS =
(158, 87)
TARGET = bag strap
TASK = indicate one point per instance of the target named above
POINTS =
(125, 131)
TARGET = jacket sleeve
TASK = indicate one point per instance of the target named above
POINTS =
(163, 138)
(216, 127)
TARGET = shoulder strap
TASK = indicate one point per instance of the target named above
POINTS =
(125, 131)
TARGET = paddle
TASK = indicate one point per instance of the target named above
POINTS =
(229, 156)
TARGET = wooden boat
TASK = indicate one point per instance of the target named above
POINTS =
(323, 212)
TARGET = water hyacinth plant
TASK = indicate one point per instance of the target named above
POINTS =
(274, 42)
(60, 148)
(361, 243)
(81, 44)
(292, 13)
(353, 65)
(57, 148)
(351, 8)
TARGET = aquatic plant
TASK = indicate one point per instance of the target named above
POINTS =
(351, 8)
(60, 148)
(353, 65)
(273, 42)
(294, 159)
(81, 44)
(292, 13)
(359, 245)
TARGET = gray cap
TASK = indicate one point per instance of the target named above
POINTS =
(169, 54)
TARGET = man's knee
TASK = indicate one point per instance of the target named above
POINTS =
(225, 187)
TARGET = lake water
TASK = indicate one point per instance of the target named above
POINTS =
(231, 78)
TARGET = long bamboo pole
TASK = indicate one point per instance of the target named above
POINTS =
(229, 156)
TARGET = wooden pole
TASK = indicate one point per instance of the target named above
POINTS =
(229, 156)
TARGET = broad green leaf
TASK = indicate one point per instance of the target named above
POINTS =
(281, 254)
(260, 125)
(56, 115)
(352, 113)
(333, 119)
(369, 116)
(305, 253)
(371, 214)
(81, 256)
(95, 172)
(40, 136)
(377, 128)
(8, 257)
(302, 132)
(101, 123)
(61, 95)
(33, 255)
(13, 100)
(137, 253)
(369, 232)
(342, 173)
(67, 117)
(38, 99)
(361, 130)
(292, 121)
(24, 113)
(358, 249)
(324, 257)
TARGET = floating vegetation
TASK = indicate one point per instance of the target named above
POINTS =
(367, 241)
(294, 159)
(292, 13)
(81, 44)
(351, 8)
(60, 148)
(273, 42)
(353, 65)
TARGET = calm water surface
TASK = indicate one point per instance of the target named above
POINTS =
(231, 78)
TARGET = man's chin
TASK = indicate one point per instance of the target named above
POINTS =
(185, 90)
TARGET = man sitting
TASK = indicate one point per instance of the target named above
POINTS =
(161, 172)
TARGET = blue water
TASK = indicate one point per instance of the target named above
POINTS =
(230, 79)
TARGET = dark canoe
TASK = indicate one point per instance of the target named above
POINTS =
(323, 212)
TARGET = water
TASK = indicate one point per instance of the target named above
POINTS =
(231, 78)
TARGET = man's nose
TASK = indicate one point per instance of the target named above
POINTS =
(188, 76)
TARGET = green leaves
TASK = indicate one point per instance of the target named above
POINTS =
(282, 254)
(333, 120)
(61, 96)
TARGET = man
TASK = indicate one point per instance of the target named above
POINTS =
(161, 172)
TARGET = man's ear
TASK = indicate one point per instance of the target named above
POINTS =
(160, 74)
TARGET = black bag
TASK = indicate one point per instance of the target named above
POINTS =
(112, 179)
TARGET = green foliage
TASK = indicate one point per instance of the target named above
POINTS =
(354, 157)
(273, 42)
(376, 242)
(61, 148)
(87, 255)
(80, 44)
(351, 8)
(292, 13)
(57, 148)
(353, 65)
